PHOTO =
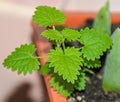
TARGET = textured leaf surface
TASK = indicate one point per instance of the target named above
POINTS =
(111, 77)
(48, 16)
(60, 85)
(92, 64)
(70, 34)
(22, 60)
(66, 64)
(81, 82)
(102, 22)
(52, 35)
(94, 43)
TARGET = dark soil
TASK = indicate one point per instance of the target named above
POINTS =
(93, 91)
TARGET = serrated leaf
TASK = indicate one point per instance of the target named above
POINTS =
(94, 43)
(67, 63)
(81, 82)
(48, 16)
(92, 64)
(111, 77)
(52, 35)
(70, 34)
(61, 86)
(102, 22)
(22, 60)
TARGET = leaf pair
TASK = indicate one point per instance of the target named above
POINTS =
(61, 36)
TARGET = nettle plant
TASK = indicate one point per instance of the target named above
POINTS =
(67, 65)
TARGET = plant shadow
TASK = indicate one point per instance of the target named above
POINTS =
(20, 94)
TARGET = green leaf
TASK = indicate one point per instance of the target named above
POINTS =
(81, 82)
(61, 86)
(22, 60)
(59, 27)
(94, 43)
(48, 16)
(92, 64)
(67, 63)
(102, 22)
(45, 70)
(70, 34)
(111, 77)
(52, 35)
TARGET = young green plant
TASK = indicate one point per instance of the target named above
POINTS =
(67, 65)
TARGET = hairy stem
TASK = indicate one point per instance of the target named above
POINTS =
(57, 42)
(88, 70)
(39, 57)
(53, 27)
(63, 45)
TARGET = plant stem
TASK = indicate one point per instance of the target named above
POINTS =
(40, 57)
(63, 45)
(57, 42)
(53, 27)
(88, 70)
(58, 45)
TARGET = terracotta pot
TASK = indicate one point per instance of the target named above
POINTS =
(74, 20)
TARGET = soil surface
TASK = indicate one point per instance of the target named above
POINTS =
(93, 91)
